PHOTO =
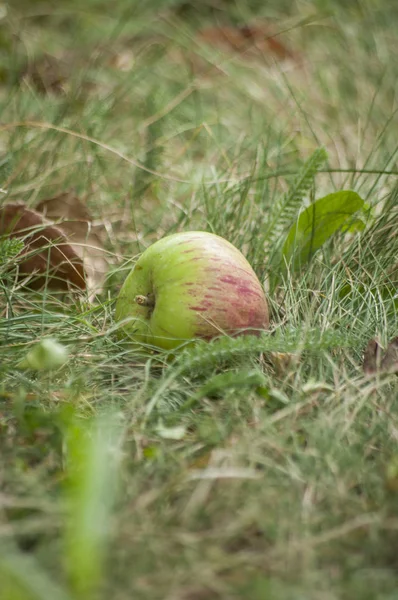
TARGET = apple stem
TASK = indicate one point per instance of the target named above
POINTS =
(148, 300)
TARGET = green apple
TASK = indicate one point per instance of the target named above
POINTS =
(190, 285)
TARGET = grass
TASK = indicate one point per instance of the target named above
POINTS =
(263, 468)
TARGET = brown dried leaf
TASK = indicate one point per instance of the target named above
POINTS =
(248, 40)
(372, 357)
(48, 74)
(390, 358)
(376, 361)
(53, 74)
(47, 255)
(197, 593)
(76, 223)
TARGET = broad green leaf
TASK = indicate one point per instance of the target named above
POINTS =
(354, 226)
(317, 223)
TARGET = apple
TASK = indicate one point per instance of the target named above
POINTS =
(190, 285)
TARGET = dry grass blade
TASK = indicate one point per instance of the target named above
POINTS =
(47, 255)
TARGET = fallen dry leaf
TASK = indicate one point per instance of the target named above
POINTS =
(48, 74)
(375, 360)
(77, 223)
(47, 257)
(54, 74)
(390, 358)
(372, 357)
(195, 593)
(249, 40)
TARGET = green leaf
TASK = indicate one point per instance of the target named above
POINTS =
(354, 226)
(316, 224)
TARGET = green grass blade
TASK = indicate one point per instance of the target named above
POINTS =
(93, 454)
(21, 578)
